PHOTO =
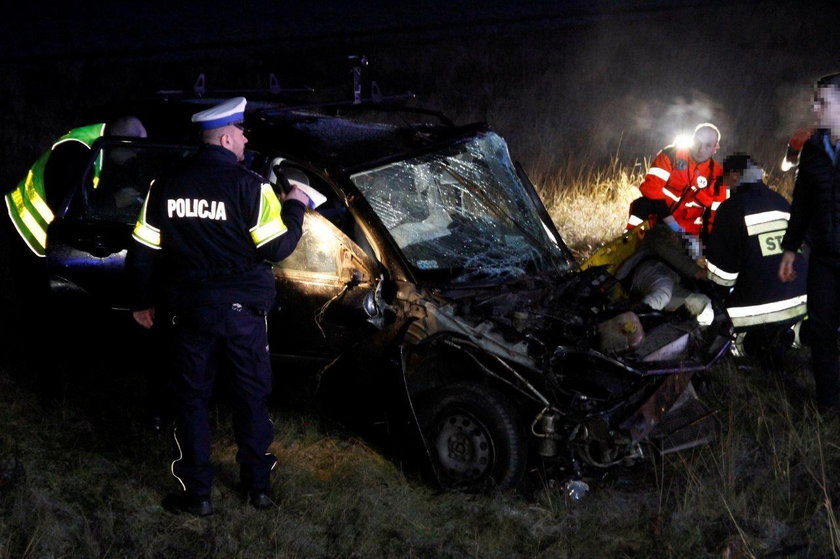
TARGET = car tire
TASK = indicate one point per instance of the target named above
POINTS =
(474, 438)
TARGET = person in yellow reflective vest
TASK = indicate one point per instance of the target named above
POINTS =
(33, 204)
(27, 204)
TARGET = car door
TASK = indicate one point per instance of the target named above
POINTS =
(88, 240)
(321, 289)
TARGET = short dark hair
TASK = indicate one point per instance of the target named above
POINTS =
(736, 162)
(829, 80)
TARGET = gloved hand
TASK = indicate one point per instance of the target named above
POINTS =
(673, 225)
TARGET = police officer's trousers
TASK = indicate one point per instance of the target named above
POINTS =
(226, 338)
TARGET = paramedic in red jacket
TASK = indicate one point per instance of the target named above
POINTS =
(683, 182)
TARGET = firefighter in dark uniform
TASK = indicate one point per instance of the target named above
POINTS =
(742, 256)
(205, 237)
(815, 220)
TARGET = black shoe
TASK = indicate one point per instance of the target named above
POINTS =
(181, 502)
(260, 500)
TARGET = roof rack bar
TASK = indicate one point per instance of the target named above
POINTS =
(199, 88)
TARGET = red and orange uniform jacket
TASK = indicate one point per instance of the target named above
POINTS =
(688, 188)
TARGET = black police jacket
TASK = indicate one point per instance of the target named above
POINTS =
(815, 211)
(743, 254)
(197, 234)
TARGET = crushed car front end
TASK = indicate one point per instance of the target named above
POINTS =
(496, 307)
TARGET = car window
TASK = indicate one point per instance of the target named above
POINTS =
(333, 208)
(462, 210)
(127, 170)
(317, 253)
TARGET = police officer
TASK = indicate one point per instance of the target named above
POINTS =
(742, 256)
(682, 181)
(815, 218)
(208, 232)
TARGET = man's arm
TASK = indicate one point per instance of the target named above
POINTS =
(280, 227)
(671, 247)
(141, 260)
(653, 185)
(140, 265)
(800, 208)
(787, 272)
(724, 253)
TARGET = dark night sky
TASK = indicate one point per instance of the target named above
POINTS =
(134, 27)
(595, 63)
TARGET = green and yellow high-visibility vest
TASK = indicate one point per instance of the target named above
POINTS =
(27, 203)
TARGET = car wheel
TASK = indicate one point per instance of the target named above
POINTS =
(474, 438)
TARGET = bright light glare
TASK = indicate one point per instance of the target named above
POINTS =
(684, 141)
(786, 165)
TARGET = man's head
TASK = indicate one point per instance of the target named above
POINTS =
(739, 168)
(827, 104)
(129, 126)
(706, 142)
(734, 167)
(222, 126)
(126, 126)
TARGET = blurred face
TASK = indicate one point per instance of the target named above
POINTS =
(705, 144)
(827, 109)
(732, 178)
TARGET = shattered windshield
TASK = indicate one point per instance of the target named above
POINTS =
(465, 211)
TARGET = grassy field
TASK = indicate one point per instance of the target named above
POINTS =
(81, 476)
(584, 107)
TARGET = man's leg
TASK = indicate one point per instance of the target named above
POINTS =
(823, 318)
(247, 351)
(194, 346)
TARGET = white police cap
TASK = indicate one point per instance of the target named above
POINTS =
(232, 110)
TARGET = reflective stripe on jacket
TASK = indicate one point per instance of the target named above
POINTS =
(744, 252)
(686, 186)
(208, 231)
(27, 203)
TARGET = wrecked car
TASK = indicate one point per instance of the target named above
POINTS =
(432, 267)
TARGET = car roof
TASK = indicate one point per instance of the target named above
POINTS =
(340, 135)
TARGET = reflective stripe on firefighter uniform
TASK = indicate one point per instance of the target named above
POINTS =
(687, 187)
(744, 252)
(27, 203)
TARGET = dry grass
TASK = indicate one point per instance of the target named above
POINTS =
(94, 477)
(590, 206)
